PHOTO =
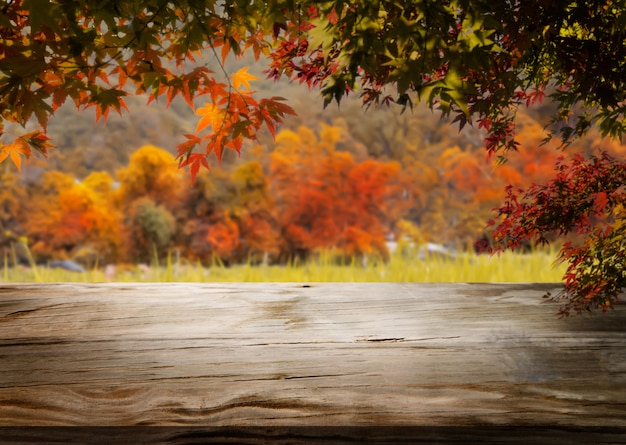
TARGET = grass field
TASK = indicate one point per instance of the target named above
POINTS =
(508, 267)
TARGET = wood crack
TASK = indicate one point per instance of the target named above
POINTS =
(402, 339)
(24, 312)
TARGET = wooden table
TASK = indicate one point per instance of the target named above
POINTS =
(307, 363)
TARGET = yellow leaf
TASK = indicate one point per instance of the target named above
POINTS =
(242, 77)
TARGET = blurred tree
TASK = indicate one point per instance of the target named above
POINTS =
(13, 194)
(150, 194)
(229, 215)
(153, 173)
(73, 219)
(325, 199)
(222, 238)
(205, 202)
(254, 210)
(150, 230)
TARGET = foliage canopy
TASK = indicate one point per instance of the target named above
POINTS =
(475, 60)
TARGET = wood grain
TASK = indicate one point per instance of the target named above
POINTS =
(325, 355)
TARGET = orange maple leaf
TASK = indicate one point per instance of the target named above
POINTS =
(210, 114)
(185, 148)
(15, 151)
(242, 77)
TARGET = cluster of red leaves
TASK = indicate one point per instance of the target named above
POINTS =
(583, 202)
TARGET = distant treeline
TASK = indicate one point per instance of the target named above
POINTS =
(350, 185)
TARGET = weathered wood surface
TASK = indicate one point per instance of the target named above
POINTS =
(442, 356)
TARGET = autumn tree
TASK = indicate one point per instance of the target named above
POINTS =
(476, 61)
(149, 194)
(150, 230)
(101, 220)
(66, 218)
(151, 172)
(325, 199)
(205, 202)
(254, 210)
(13, 195)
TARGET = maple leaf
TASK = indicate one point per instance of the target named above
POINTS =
(210, 112)
(235, 144)
(242, 77)
(186, 147)
(195, 161)
(38, 141)
(216, 145)
(58, 98)
(15, 151)
(107, 99)
(225, 51)
(272, 111)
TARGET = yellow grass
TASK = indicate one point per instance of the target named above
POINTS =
(507, 267)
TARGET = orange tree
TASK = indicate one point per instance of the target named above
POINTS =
(66, 218)
(325, 199)
(227, 214)
(475, 60)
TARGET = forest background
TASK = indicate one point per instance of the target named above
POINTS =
(344, 180)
